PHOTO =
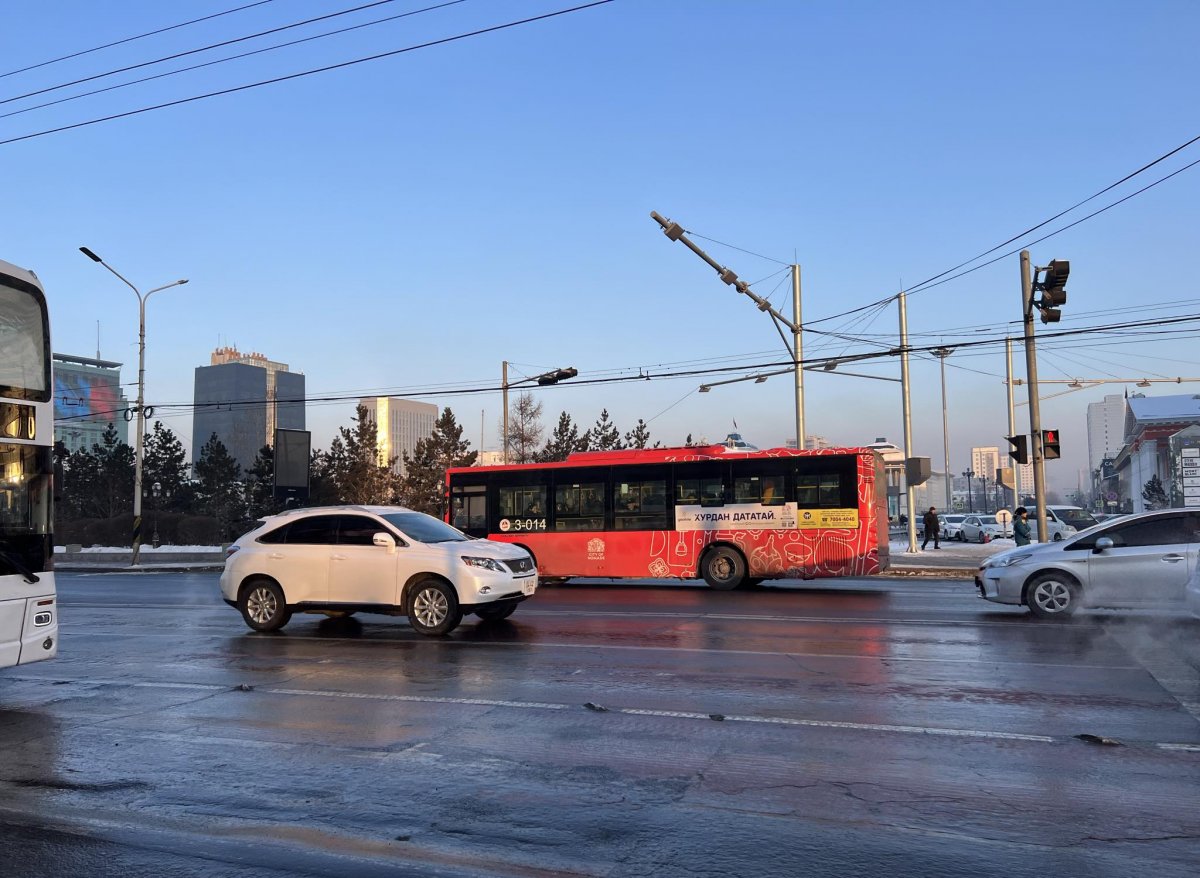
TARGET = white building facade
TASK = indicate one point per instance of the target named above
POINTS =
(1106, 429)
(402, 423)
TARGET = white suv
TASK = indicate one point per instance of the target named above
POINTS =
(373, 559)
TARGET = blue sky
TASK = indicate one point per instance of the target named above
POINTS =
(413, 221)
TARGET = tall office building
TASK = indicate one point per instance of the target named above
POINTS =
(243, 398)
(87, 398)
(1106, 429)
(402, 423)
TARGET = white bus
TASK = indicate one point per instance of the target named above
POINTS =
(28, 603)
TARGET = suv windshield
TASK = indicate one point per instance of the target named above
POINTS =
(424, 528)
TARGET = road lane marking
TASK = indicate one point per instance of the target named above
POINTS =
(627, 711)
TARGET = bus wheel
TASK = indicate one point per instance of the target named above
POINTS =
(723, 568)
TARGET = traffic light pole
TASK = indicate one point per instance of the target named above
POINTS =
(1035, 414)
(909, 490)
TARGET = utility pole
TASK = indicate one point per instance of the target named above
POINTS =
(1035, 412)
(1012, 418)
(941, 353)
(676, 232)
(504, 388)
(909, 490)
(798, 353)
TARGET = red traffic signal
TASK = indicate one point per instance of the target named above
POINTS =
(1050, 450)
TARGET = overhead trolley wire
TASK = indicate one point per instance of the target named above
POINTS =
(207, 48)
(161, 30)
(238, 57)
(311, 72)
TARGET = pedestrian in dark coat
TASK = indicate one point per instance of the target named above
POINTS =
(932, 528)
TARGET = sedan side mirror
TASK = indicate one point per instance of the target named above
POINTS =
(1102, 544)
(385, 540)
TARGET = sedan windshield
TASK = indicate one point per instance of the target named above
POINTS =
(988, 519)
(424, 528)
(955, 519)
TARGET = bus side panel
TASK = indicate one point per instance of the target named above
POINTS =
(12, 621)
(798, 554)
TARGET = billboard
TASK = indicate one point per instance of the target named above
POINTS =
(292, 451)
(87, 395)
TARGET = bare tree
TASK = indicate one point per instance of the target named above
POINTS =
(525, 431)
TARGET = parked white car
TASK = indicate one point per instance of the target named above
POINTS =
(952, 526)
(343, 560)
(980, 529)
(1075, 516)
(1058, 527)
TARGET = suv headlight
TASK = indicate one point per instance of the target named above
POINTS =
(485, 563)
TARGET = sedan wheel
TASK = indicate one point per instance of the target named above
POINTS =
(1052, 595)
(433, 608)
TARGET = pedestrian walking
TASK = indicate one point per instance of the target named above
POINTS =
(1021, 526)
(932, 527)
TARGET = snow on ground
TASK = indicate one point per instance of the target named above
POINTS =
(951, 553)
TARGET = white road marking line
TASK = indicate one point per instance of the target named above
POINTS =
(419, 699)
(1187, 748)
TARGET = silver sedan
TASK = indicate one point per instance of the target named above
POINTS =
(1140, 560)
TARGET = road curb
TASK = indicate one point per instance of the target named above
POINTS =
(938, 572)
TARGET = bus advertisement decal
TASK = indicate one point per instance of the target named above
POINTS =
(832, 518)
(736, 516)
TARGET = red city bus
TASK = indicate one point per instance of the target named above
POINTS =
(729, 516)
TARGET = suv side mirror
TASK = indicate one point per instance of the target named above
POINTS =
(1102, 544)
(385, 540)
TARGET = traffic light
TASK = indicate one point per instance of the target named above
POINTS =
(1049, 445)
(1054, 290)
(557, 375)
(1020, 448)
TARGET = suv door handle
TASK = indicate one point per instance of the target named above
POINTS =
(337, 557)
(275, 556)
(1172, 558)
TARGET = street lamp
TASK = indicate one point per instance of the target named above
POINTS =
(141, 400)
(941, 353)
(968, 475)
(155, 491)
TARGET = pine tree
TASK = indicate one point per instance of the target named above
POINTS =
(524, 429)
(165, 463)
(321, 488)
(564, 441)
(639, 436)
(260, 484)
(102, 478)
(1154, 495)
(354, 463)
(219, 492)
(604, 435)
(424, 485)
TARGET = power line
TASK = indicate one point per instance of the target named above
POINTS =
(929, 283)
(278, 79)
(739, 249)
(161, 30)
(207, 48)
(238, 57)
(695, 373)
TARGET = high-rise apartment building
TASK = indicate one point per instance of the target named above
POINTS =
(87, 398)
(402, 423)
(1106, 429)
(243, 398)
(985, 461)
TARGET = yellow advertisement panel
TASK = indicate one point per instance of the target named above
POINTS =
(814, 518)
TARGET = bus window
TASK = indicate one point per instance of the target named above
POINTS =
(528, 501)
(640, 505)
(468, 508)
(579, 506)
(826, 483)
(767, 490)
(708, 491)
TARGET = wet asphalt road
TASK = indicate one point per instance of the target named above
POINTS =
(868, 727)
